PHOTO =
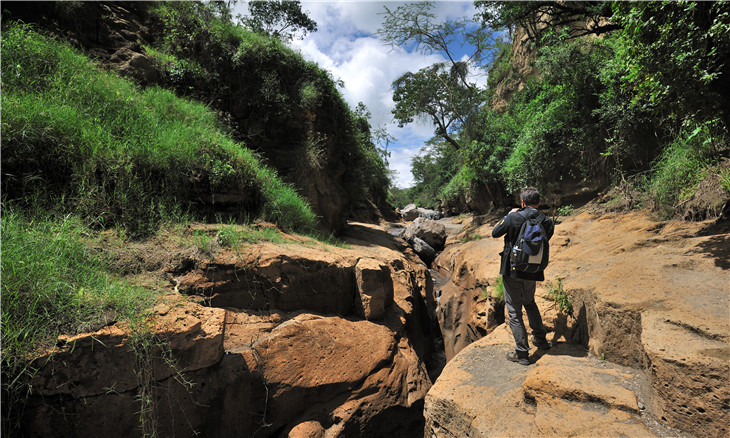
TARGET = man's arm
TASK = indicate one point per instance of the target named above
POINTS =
(502, 227)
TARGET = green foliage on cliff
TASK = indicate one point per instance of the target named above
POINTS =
(620, 89)
(77, 139)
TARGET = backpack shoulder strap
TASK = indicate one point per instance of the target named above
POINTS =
(521, 213)
(539, 218)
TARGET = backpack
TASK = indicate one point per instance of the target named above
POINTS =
(531, 252)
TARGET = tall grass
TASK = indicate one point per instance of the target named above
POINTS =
(85, 140)
(683, 164)
(52, 284)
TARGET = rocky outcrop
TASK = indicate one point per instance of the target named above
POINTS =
(410, 212)
(661, 306)
(521, 69)
(93, 364)
(267, 340)
(645, 295)
(566, 393)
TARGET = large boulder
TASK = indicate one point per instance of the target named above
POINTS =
(566, 393)
(428, 230)
(310, 361)
(410, 212)
(424, 250)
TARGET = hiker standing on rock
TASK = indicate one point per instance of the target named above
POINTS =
(526, 234)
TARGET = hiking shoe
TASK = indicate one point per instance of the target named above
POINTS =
(542, 344)
(512, 357)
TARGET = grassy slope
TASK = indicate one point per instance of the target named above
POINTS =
(84, 150)
(89, 142)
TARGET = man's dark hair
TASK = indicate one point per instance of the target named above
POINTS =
(530, 196)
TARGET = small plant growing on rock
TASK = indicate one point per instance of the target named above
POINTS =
(205, 243)
(566, 210)
(558, 295)
(725, 179)
(498, 291)
(475, 236)
(229, 237)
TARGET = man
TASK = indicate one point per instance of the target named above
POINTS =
(519, 287)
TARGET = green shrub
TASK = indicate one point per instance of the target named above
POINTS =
(566, 210)
(682, 166)
(560, 297)
(471, 238)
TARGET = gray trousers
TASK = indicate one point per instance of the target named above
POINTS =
(520, 293)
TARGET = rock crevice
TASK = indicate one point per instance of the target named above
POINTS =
(268, 340)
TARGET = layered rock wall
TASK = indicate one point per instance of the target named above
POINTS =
(267, 340)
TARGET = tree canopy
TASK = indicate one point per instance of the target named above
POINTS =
(282, 19)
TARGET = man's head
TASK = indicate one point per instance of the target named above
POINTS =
(530, 197)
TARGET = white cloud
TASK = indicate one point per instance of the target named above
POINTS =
(400, 162)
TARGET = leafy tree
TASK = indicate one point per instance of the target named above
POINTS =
(281, 19)
(414, 23)
(399, 197)
(433, 93)
(432, 170)
(442, 92)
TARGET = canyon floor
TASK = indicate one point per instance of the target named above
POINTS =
(306, 339)
(644, 352)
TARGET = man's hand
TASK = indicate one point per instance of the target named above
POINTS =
(514, 210)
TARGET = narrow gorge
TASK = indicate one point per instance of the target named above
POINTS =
(200, 234)
(306, 339)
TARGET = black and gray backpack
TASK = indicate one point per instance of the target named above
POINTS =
(531, 252)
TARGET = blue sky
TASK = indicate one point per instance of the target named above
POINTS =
(347, 45)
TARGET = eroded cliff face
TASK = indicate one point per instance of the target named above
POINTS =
(650, 301)
(522, 69)
(295, 339)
